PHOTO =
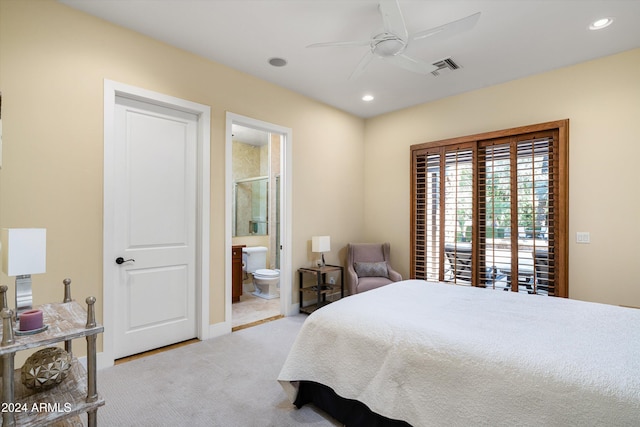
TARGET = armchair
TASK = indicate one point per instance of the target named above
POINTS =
(368, 267)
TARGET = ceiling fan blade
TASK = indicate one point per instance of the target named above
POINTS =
(362, 65)
(345, 43)
(454, 27)
(410, 64)
(392, 18)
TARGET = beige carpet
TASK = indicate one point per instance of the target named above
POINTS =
(228, 381)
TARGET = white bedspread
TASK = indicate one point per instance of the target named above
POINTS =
(441, 355)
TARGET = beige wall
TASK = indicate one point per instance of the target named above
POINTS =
(601, 99)
(53, 61)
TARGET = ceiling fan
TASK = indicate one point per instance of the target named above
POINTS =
(391, 43)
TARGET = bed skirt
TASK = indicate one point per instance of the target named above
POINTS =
(348, 411)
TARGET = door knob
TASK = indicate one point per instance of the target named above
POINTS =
(121, 260)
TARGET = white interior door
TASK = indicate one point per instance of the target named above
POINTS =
(155, 186)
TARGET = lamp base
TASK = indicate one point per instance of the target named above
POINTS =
(24, 295)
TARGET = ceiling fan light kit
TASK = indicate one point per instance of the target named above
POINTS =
(387, 44)
(391, 44)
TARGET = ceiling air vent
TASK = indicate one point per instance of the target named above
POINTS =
(444, 64)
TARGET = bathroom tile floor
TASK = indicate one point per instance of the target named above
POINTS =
(251, 309)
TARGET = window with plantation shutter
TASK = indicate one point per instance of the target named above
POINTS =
(490, 210)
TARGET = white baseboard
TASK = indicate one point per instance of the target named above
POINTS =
(219, 329)
(101, 361)
(293, 310)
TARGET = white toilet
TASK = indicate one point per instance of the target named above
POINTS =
(266, 282)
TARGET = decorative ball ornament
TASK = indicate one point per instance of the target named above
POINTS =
(45, 368)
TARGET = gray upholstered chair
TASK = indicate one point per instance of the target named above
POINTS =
(368, 267)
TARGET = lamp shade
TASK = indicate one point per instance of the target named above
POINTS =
(24, 251)
(320, 243)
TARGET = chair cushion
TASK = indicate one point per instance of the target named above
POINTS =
(371, 269)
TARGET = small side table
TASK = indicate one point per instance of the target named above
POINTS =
(78, 393)
(321, 288)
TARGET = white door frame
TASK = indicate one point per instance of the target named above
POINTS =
(286, 306)
(110, 310)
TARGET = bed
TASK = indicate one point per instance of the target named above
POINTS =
(430, 354)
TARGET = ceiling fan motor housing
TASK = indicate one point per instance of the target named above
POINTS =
(387, 44)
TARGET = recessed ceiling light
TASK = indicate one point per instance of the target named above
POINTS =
(367, 98)
(601, 23)
(278, 62)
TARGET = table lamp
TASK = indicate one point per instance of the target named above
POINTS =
(321, 244)
(24, 252)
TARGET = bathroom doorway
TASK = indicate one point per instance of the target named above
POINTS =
(258, 221)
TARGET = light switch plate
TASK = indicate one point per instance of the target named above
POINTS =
(583, 237)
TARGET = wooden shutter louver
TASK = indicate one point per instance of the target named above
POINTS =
(491, 210)
(458, 215)
(494, 217)
(419, 186)
(537, 176)
(516, 211)
(426, 259)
